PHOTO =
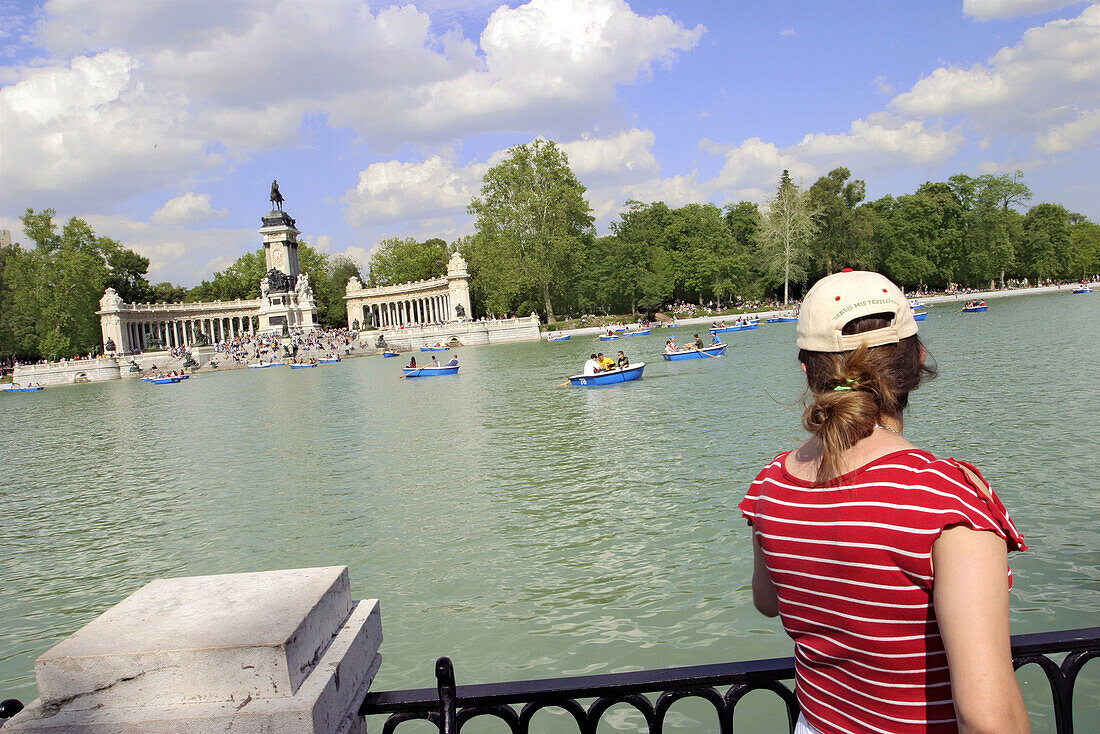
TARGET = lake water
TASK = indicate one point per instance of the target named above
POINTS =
(524, 528)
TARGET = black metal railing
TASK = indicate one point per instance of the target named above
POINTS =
(449, 706)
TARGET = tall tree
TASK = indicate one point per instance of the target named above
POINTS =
(1084, 259)
(785, 231)
(531, 219)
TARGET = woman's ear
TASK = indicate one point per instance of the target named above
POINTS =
(923, 355)
(803, 364)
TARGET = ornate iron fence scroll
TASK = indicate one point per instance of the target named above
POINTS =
(449, 706)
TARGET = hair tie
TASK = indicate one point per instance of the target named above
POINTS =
(852, 384)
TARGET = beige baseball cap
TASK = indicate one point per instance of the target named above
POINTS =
(841, 297)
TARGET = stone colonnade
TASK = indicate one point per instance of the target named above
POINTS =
(440, 300)
(131, 327)
(175, 333)
(409, 311)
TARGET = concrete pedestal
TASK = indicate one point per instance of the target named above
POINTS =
(264, 653)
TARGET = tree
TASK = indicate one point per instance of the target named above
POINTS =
(403, 260)
(1084, 257)
(839, 240)
(632, 268)
(531, 220)
(992, 226)
(1046, 241)
(785, 231)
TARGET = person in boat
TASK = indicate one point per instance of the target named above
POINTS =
(922, 600)
(412, 362)
(453, 361)
(610, 332)
(698, 343)
(715, 341)
(670, 345)
(435, 362)
(591, 367)
(606, 363)
(622, 362)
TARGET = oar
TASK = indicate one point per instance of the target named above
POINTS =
(562, 384)
(406, 374)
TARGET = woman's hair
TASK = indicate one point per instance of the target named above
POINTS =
(874, 382)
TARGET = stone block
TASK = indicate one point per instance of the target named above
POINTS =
(280, 651)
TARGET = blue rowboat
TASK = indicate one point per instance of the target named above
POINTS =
(973, 309)
(411, 372)
(611, 377)
(715, 351)
(434, 349)
(735, 327)
(606, 338)
(22, 389)
(164, 380)
(783, 320)
(920, 315)
(389, 354)
(562, 338)
(329, 361)
(301, 366)
(638, 332)
(1082, 291)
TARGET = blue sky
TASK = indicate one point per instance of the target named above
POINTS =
(163, 123)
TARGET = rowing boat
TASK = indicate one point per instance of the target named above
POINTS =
(638, 332)
(716, 350)
(611, 377)
(562, 338)
(434, 349)
(411, 372)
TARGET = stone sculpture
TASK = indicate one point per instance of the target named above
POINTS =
(277, 281)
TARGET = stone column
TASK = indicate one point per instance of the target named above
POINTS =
(277, 652)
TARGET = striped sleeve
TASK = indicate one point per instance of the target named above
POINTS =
(748, 504)
(970, 502)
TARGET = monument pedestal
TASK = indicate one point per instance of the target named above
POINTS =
(259, 653)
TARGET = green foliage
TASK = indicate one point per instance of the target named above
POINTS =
(403, 260)
(49, 294)
(1046, 241)
(533, 223)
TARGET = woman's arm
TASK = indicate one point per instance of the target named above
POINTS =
(764, 597)
(970, 594)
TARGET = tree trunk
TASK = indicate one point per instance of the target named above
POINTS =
(546, 303)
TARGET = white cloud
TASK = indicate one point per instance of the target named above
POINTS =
(1071, 136)
(625, 154)
(1000, 9)
(788, 32)
(190, 208)
(393, 191)
(1043, 83)
(197, 91)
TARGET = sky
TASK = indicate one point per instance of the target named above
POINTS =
(163, 124)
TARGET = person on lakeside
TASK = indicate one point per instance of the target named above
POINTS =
(622, 362)
(453, 361)
(606, 363)
(887, 566)
(591, 367)
(698, 343)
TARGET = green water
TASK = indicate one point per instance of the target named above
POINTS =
(524, 528)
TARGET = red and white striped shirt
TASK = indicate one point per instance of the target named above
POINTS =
(852, 567)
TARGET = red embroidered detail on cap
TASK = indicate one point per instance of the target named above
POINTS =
(838, 298)
(885, 291)
(846, 270)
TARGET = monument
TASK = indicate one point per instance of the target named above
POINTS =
(286, 299)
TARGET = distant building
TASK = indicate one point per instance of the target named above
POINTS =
(286, 303)
(5, 238)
